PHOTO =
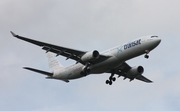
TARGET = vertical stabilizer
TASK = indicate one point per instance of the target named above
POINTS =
(53, 62)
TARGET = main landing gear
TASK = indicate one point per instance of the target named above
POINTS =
(147, 52)
(86, 69)
(111, 79)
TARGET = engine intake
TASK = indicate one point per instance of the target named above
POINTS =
(90, 56)
(140, 69)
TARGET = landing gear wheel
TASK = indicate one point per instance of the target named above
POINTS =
(110, 82)
(107, 81)
(113, 79)
(146, 56)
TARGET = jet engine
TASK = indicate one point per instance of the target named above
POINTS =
(90, 56)
(134, 71)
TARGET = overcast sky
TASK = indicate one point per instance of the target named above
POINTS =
(88, 25)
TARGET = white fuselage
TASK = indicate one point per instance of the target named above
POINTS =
(118, 55)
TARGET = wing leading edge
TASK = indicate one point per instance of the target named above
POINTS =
(59, 50)
(67, 52)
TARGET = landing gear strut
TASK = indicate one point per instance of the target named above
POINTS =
(111, 79)
(147, 52)
(86, 70)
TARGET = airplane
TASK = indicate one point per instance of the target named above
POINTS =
(112, 61)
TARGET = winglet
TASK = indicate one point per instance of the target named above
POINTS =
(14, 34)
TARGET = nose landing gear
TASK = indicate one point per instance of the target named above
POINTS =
(147, 52)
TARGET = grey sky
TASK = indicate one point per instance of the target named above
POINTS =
(88, 25)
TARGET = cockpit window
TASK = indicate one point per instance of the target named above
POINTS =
(154, 36)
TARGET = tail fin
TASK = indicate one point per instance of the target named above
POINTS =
(53, 62)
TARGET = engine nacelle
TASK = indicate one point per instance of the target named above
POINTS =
(90, 56)
(134, 71)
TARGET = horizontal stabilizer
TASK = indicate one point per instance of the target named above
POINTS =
(142, 78)
(39, 71)
(65, 80)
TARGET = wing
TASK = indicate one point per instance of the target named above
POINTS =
(59, 50)
(124, 68)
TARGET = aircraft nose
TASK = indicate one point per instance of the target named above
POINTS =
(157, 41)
